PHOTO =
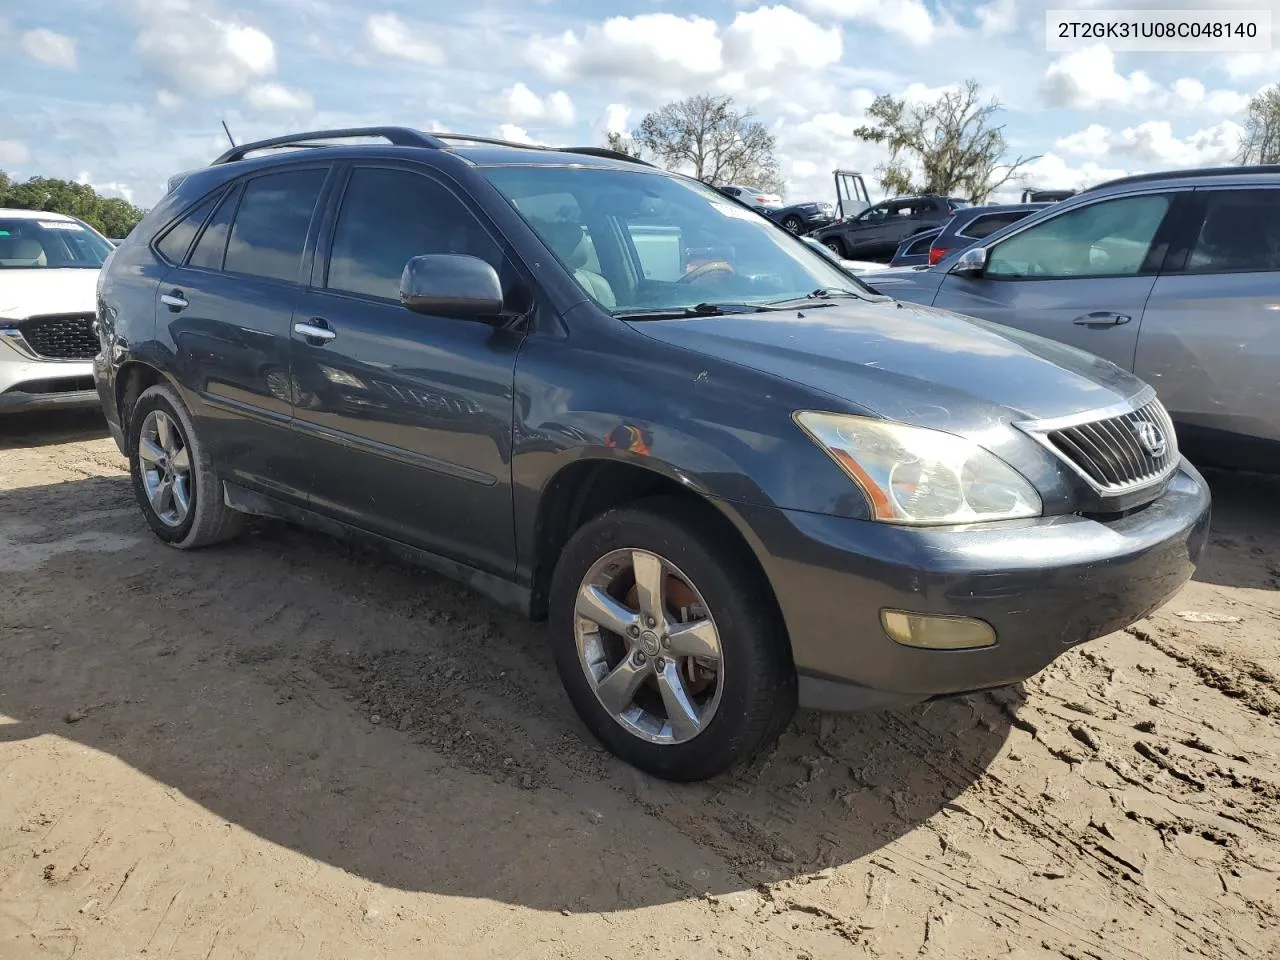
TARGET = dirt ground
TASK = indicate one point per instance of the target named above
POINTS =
(288, 748)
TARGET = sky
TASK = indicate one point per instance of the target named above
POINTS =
(123, 93)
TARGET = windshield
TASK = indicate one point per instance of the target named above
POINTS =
(32, 244)
(639, 242)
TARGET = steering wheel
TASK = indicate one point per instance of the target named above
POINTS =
(706, 269)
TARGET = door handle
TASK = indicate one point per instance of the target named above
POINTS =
(174, 300)
(314, 329)
(1102, 318)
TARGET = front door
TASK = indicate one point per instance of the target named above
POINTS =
(1082, 277)
(405, 418)
(1210, 341)
(227, 307)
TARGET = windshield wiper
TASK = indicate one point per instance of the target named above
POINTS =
(822, 293)
(697, 310)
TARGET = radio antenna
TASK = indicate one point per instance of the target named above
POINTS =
(227, 131)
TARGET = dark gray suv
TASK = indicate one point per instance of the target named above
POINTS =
(730, 476)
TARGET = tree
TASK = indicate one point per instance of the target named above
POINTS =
(708, 137)
(619, 143)
(950, 140)
(111, 216)
(1261, 140)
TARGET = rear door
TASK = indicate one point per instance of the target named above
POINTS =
(1082, 277)
(406, 419)
(228, 308)
(1210, 340)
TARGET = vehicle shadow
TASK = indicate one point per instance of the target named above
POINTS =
(45, 428)
(395, 725)
(1244, 541)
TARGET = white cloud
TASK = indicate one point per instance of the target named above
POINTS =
(387, 34)
(111, 189)
(997, 18)
(519, 104)
(616, 116)
(53, 49)
(14, 151)
(1245, 66)
(1088, 78)
(1153, 144)
(276, 98)
(650, 48)
(200, 55)
(1093, 141)
(773, 39)
(516, 134)
(910, 19)
(168, 100)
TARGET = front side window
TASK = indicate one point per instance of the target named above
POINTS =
(1240, 232)
(1108, 238)
(387, 218)
(638, 242)
(874, 214)
(270, 230)
(32, 244)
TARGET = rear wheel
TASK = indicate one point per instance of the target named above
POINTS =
(666, 643)
(173, 479)
(835, 245)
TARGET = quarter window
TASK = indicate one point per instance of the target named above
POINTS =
(985, 226)
(173, 245)
(1240, 233)
(389, 217)
(1109, 238)
(212, 245)
(271, 225)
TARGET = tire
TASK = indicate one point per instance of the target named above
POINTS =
(755, 683)
(207, 519)
(835, 245)
(793, 224)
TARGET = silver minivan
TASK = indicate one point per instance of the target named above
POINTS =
(1175, 276)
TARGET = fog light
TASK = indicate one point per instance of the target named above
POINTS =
(936, 633)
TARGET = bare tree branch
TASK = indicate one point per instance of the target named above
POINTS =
(706, 136)
(1261, 141)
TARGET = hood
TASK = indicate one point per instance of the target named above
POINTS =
(27, 293)
(909, 363)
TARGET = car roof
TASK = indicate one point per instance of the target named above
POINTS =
(972, 213)
(1213, 176)
(14, 213)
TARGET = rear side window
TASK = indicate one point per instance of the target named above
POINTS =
(173, 245)
(985, 226)
(212, 245)
(916, 247)
(390, 216)
(270, 229)
(1240, 232)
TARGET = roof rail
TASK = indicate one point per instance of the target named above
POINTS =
(396, 136)
(606, 153)
(1271, 168)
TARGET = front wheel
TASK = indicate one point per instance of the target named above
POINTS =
(666, 642)
(793, 224)
(835, 246)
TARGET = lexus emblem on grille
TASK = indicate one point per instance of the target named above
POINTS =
(1151, 438)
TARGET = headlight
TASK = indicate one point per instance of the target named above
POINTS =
(916, 476)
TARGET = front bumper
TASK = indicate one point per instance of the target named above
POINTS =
(29, 383)
(1044, 585)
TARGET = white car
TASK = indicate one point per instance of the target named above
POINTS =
(49, 266)
(752, 197)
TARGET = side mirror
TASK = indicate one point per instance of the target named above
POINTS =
(452, 285)
(971, 263)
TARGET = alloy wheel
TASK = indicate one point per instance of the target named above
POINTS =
(649, 646)
(165, 461)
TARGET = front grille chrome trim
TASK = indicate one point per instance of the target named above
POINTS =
(75, 342)
(1103, 448)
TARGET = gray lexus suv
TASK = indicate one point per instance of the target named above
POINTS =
(1174, 276)
(732, 478)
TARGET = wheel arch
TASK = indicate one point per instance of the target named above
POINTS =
(587, 487)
